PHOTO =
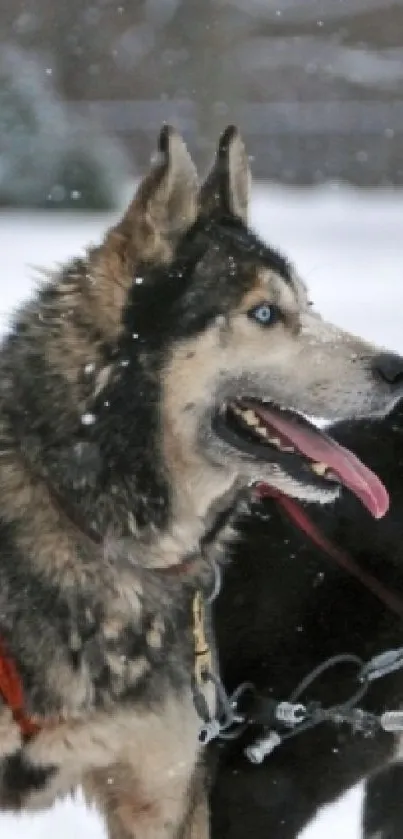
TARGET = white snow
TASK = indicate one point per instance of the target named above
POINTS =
(347, 246)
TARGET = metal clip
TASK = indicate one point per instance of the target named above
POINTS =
(382, 665)
(210, 731)
(263, 747)
(289, 714)
(392, 721)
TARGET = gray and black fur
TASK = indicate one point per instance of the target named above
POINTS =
(113, 483)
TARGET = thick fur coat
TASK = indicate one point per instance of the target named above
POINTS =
(119, 476)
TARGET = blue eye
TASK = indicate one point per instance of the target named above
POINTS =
(264, 314)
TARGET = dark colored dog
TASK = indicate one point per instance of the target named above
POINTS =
(285, 608)
(142, 391)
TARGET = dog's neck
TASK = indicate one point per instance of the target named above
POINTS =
(119, 483)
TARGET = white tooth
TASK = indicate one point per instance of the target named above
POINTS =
(275, 441)
(250, 417)
(319, 468)
(260, 429)
(287, 449)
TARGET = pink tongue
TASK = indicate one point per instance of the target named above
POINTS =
(319, 447)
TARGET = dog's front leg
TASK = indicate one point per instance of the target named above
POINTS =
(197, 822)
(137, 809)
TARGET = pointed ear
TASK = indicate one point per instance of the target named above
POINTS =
(227, 187)
(165, 205)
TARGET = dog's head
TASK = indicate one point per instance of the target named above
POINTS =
(224, 324)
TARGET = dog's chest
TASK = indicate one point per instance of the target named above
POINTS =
(160, 699)
(165, 647)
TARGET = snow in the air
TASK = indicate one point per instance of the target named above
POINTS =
(347, 246)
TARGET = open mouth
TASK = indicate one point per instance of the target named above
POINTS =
(269, 433)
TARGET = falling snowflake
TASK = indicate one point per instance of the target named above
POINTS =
(88, 419)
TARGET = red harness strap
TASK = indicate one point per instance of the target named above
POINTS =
(12, 692)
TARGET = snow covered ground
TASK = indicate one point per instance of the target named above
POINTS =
(347, 246)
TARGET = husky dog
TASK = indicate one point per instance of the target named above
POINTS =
(285, 608)
(141, 391)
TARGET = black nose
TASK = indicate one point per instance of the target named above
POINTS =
(389, 367)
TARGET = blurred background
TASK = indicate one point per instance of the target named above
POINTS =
(315, 85)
